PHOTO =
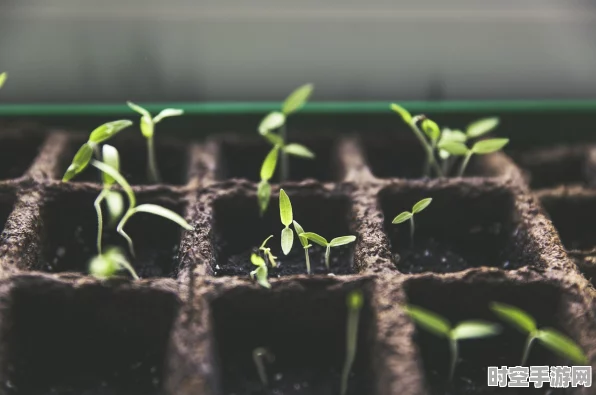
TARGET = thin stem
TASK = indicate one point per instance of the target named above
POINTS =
(285, 162)
(430, 156)
(464, 164)
(351, 345)
(327, 254)
(307, 259)
(412, 230)
(120, 230)
(527, 346)
(126, 265)
(152, 170)
(259, 355)
(453, 348)
(97, 205)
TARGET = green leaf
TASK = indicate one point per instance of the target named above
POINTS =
(562, 345)
(115, 204)
(108, 130)
(285, 208)
(274, 139)
(481, 127)
(263, 195)
(272, 121)
(119, 179)
(168, 112)
(449, 135)
(403, 217)
(342, 240)
(421, 205)
(304, 241)
(268, 167)
(514, 316)
(431, 129)
(298, 150)
(298, 228)
(138, 109)
(320, 240)
(265, 242)
(163, 212)
(3, 78)
(355, 300)
(287, 240)
(475, 329)
(489, 146)
(102, 267)
(406, 116)
(80, 161)
(261, 275)
(428, 320)
(454, 148)
(111, 158)
(297, 99)
(257, 260)
(147, 127)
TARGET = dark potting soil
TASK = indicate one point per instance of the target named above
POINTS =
(17, 155)
(574, 218)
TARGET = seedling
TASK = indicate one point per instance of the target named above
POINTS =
(481, 147)
(552, 339)
(85, 153)
(336, 242)
(148, 130)
(106, 265)
(3, 79)
(441, 327)
(260, 355)
(267, 252)
(305, 244)
(260, 272)
(406, 215)
(286, 216)
(267, 170)
(354, 302)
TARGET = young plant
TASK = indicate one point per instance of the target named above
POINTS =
(336, 242)
(481, 147)
(267, 252)
(441, 327)
(267, 170)
(406, 215)
(260, 355)
(552, 339)
(260, 272)
(3, 79)
(286, 216)
(354, 301)
(100, 135)
(107, 264)
(305, 244)
(148, 129)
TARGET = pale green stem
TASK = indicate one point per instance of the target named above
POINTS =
(327, 254)
(430, 156)
(351, 345)
(258, 355)
(285, 161)
(307, 259)
(97, 205)
(120, 230)
(454, 356)
(128, 267)
(527, 346)
(428, 159)
(464, 164)
(152, 170)
(412, 230)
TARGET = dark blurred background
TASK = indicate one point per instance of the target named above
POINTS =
(212, 50)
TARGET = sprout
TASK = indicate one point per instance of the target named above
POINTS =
(260, 355)
(148, 129)
(3, 78)
(98, 136)
(354, 302)
(106, 265)
(285, 214)
(320, 240)
(554, 340)
(440, 326)
(267, 170)
(305, 244)
(406, 215)
(133, 208)
(481, 147)
(267, 252)
(260, 272)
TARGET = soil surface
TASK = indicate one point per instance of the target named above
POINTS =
(17, 155)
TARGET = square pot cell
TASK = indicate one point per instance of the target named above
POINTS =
(243, 158)
(305, 331)
(172, 161)
(70, 233)
(239, 230)
(461, 301)
(465, 226)
(87, 340)
(17, 154)
(395, 156)
(549, 167)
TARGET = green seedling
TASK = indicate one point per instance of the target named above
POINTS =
(305, 244)
(261, 273)
(481, 147)
(3, 79)
(100, 135)
(133, 208)
(406, 215)
(355, 300)
(552, 339)
(267, 252)
(106, 265)
(286, 216)
(113, 199)
(148, 130)
(267, 170)
(336, 242)
(260, 355)
(441, 327)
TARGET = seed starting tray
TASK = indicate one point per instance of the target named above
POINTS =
(190, 324)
